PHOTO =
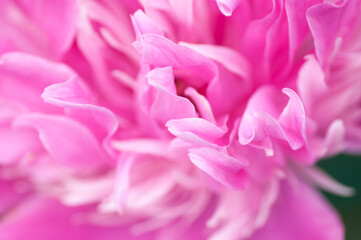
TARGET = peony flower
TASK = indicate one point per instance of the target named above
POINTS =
(164, 119)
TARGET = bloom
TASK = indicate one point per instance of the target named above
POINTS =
(190, 119)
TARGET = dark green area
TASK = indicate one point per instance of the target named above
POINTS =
(347, 169)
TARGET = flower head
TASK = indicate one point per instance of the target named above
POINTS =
(185, 119)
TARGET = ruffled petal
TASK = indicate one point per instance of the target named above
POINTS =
(264, 121)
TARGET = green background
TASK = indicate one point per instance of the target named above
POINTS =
(347, 169)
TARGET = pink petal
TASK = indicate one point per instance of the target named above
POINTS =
(293, 120)
(66, 140)
(311, 82)
(258, 131)
(298, 26)
(143, 24)
(34, 215)
(12, 193)
(225, 84)
(41, 28)
(167, 104)
(15, 144)
(158, 51)
(232, 60)
(326, 21)
(101, 57)
(301, 213)
(230, 67)
(223, 168)
(56, 19)
(77, 101)
(202, 104)
(24, 77)
(195, 130)
(263, 120)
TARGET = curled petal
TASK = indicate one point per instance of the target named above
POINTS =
(264, 121)
(195, 130)
(223, 168)
(167, 104)
(293, 120)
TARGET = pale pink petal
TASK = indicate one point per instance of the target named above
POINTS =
(227, 6)
(143, 146)
(78, 192)
(311, 82)
(122, 181)
(321, 179)
(335, 137)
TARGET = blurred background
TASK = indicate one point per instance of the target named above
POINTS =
(347, 170)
